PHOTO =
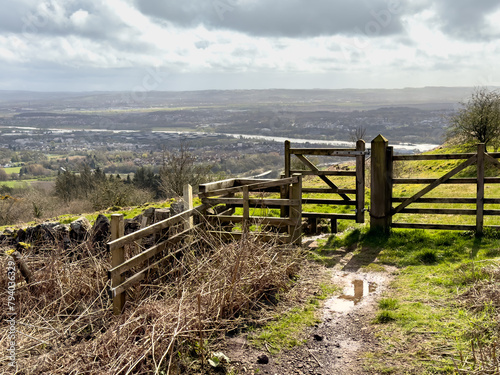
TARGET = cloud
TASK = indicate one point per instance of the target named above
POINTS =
(281, 18)
(466, 19)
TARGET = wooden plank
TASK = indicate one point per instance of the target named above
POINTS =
(254, 202)
(438, 211)
(306, 162)
(152, 229)
(149, 253)
(436, 183)
(188, 205)
(492, 160)
(433, 226)
(328, 202)
(423, 181)
(139, 276)
(360, 182)
(481, 149)
(251, 187)
(117, 258)
(246, 209)
(288, 161)
(471, 180)
(348, 152)
(442, 200)
(263, 220)
(328, 215)
(295, 230)
(325, 173)
(250, 181)
(120, 289)
(433, 157)
(491, 200)
(328, 191)
(491, 212)
(204, 188)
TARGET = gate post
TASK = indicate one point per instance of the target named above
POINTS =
(295, 230)
(481, 149)
(381, 181)
(117, 258)
(360, 182)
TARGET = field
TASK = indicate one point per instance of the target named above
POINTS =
(11, 170)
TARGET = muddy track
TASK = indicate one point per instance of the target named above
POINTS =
(338, 344)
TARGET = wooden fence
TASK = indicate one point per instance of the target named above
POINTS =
(382, 199)
(358, 153)
(253, 194)
(178, 240)
(216, 212)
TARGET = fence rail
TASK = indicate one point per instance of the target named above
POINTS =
(147, 259)
(219, 193)
(382, 209)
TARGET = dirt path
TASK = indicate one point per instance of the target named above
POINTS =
(336, 345)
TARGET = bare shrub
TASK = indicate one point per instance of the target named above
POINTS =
(483, 299)
(66, 325)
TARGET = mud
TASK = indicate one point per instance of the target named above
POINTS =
(338, 345)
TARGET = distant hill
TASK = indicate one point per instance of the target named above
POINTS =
(427, 97)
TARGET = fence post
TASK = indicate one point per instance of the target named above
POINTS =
(295, 230)
(481, 149)
(246, 209)
(188, 205)
(287, 159)
(117, 258)
(380, 212)
(360, 182)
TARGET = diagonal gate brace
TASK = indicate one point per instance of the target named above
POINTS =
(436, 183)
(308, 163)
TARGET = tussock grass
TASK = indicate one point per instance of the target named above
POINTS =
(66, 325)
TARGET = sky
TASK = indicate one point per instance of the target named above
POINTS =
(181, 45)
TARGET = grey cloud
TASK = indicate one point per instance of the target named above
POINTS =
(282, 18)
(32, 19)
(466, 19)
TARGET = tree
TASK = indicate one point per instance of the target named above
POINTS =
(3, 175)
(357, 133)
(478, 120)
(181, 168)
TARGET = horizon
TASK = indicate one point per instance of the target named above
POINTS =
(266, 89)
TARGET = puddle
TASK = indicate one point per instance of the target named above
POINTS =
(353, 294)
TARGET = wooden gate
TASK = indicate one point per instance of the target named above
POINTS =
(382, 209)
(253, 194)
(358, 202)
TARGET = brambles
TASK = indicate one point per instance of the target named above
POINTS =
(68, 318)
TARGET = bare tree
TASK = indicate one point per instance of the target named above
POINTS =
(181, 168)
(478, 119)
(357, 133)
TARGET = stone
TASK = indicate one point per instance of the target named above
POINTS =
(131, 225)
(80, 229)
(262, 359)
(101, 231)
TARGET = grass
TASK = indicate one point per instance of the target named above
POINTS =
(12, 170)
(288, 329)
(423, 322)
